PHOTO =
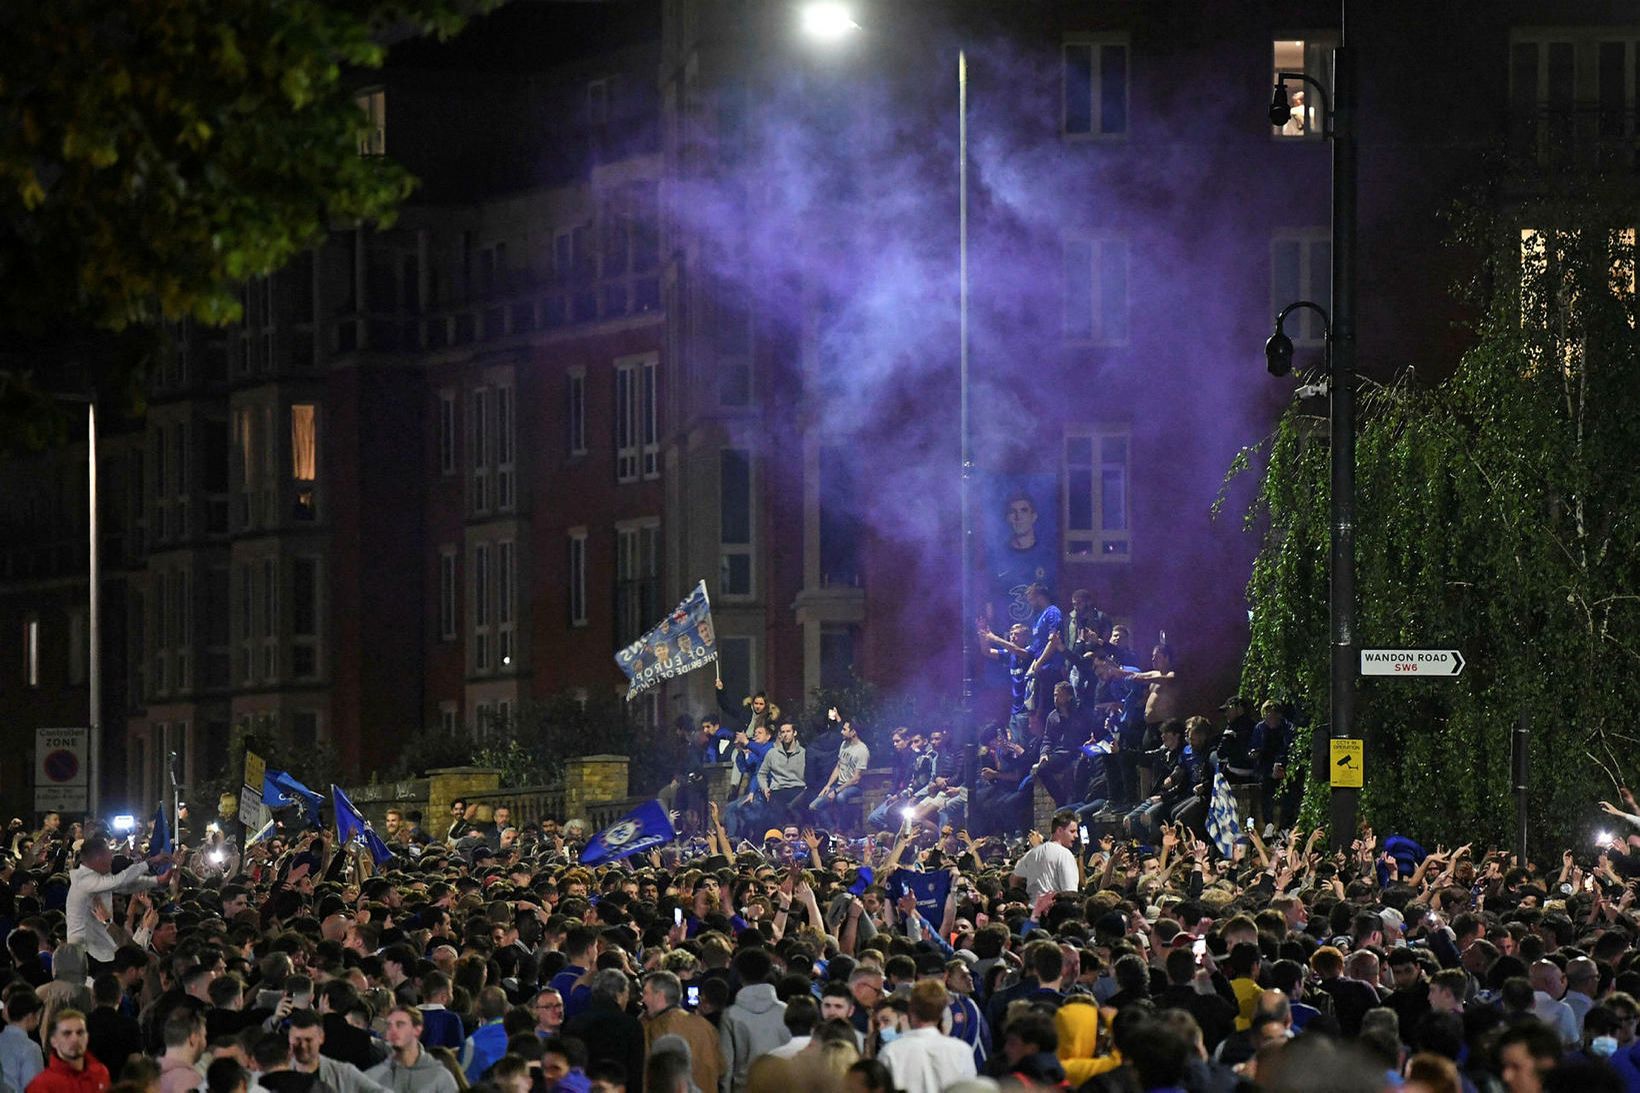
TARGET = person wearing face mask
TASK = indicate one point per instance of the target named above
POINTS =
(1600, 1026)
(888, 1021)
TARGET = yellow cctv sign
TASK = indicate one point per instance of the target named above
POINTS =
(1347, 766)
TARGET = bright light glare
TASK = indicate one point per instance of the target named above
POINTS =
(217, 857)
(1602, 838)
(828, 19)
(125, 823)
(908, 812)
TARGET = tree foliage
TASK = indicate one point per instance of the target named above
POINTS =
(154, 154)
(1497, 513)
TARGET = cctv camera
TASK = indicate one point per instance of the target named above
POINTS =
(1278, 354)
(1280, 110)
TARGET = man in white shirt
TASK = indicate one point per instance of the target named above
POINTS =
(1548, 984)
(1051, 867)
(88, 888)
(925, 1060)
(843, 787)
(801, 1015)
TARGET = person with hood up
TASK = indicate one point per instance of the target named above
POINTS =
(1077, 1025)
(67, 989)
(754, 1024)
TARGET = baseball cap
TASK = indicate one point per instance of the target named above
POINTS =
(773, 833)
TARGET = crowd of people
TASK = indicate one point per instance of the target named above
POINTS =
(797, 934)
(485, 956)
(1077, 714)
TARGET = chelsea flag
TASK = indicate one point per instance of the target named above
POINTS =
(681, 642)
(646, 826)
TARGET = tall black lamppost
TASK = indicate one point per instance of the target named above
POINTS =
(1338, 127)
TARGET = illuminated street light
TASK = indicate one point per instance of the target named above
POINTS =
(828, 20)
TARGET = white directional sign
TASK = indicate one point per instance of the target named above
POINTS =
(1422, 663)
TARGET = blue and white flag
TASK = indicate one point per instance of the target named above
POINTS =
(263, 833)
(1223, 825)
(930, 890)
(679, 643)
(644, 827)
(352, 827)
(280, 790)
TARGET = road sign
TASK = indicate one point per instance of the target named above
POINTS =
(1348, 757)
(255, 769)
(60, 780)
(1423, 663)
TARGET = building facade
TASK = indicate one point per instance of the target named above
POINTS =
(677, 301)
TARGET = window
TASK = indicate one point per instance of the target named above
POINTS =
(304, 618)
(578, 576)
(735, 522)
(598, 100)
(637, 579)
(504, 470)
(447, 432)
(733, 337)
(1096, 494)
(1573, 95)
(481, 607)
(1311, 55)
(163, 628)
(839, 518)
(247, 623)
(270, 619)
(76, 647)
(304, 458)
(576, 411)
(505, 577)
(31, 652)
(1301, 269)
(1096, 291)
(373, 135)
(447, 578)
(1096, 87)
(304, 729)
(637, 420)
(449, 718)
(836, 657)
(182, 635)
(645, 710)
(735, 661)
(481, 449)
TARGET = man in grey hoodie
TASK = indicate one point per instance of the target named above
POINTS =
(755, 1023)
(409, 1069)
(780, 777)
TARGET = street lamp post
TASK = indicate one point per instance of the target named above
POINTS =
(93, 622)
(1340, 129)
(830, 19)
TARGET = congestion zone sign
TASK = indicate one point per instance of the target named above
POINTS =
(1439, 663)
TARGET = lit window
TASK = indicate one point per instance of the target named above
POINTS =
(1311, 55)
(304, 458)
(1097, 506)
(373, 133)
(1096, 87)
(1096, 291)
(31, 652)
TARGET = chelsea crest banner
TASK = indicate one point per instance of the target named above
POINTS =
(681, 642)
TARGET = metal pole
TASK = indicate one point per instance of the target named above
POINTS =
(1341, 592)
(1521, 766)
(94, 763)
(969, 733)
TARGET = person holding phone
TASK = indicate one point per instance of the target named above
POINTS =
(665, 1016)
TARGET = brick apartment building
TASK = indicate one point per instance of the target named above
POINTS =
(676, 300)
